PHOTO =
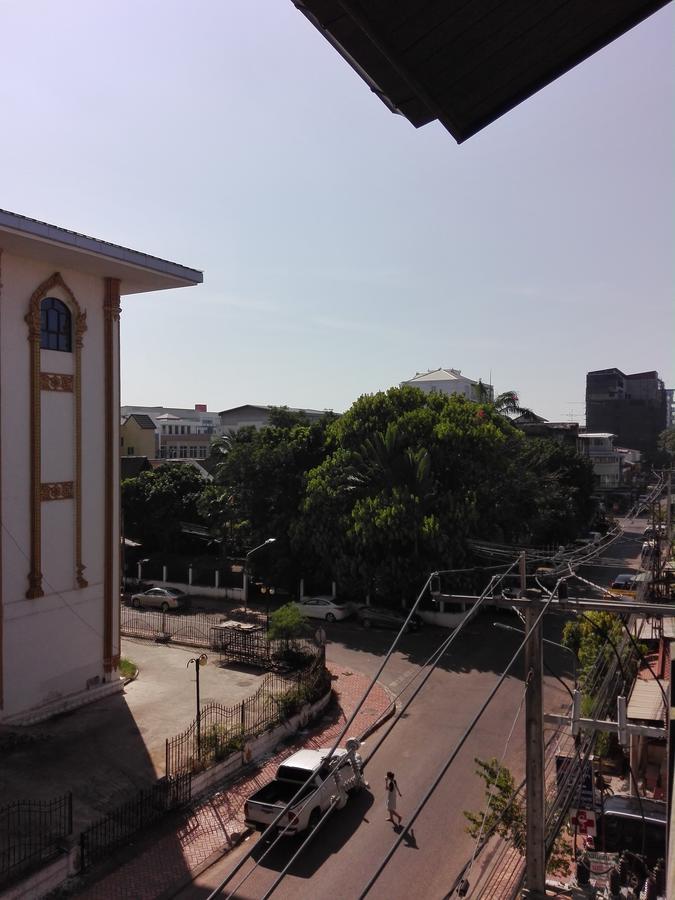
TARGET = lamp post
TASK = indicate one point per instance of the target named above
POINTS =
(546, 641)
(199, 661)
(250, 553)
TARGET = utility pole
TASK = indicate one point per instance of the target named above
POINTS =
(535, 857)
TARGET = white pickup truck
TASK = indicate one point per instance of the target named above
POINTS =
(329, 786)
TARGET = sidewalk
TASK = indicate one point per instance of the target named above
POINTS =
(168, 861)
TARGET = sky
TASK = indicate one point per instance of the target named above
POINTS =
(343, 250)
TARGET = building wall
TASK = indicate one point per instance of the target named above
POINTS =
(633, 407)
(67, 639)
(458, 387)
(137, 441)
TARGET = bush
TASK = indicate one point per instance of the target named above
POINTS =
(218, 741)
(286, 623)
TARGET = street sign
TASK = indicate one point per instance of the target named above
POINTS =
(584, 822)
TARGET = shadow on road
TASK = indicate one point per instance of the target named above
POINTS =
(339, 827)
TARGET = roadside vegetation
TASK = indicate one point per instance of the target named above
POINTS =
(127, 668)
(373, 499)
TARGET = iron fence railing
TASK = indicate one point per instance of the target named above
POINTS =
(221, 730)
(194, 629)
(132, 816)
(31, 833)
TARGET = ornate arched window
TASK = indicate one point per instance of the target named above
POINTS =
(55, 325)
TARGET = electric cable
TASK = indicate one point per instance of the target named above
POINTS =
(53, 590)
(452, 756)
(436, 656)
(217, 890)
(492, 786)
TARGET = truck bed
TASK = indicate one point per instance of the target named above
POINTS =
(279, 793)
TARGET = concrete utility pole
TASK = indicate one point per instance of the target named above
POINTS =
(535, 858)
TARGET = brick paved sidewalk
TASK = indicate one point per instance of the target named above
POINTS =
(166, 863)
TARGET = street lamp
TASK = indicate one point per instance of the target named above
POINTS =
(250, 553)
(199, 661)
(546, 641)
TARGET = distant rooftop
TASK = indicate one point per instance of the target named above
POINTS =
(441, 375)
(63, 248)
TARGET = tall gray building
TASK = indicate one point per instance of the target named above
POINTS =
(633, 407)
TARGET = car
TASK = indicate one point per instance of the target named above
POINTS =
(162, 598)
(625, 582)
(326, 608)
(378, 616)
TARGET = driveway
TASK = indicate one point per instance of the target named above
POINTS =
(104, 751)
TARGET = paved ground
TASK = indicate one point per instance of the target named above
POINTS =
(168, 860)
(106, 750)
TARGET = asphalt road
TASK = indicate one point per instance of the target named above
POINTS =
(346, 852)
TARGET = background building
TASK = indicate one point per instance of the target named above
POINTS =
(632, 407)
(178, 433)
(59, 461)
(450, 381)
(251, 414)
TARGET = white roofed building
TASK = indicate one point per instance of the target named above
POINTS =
(449, 381)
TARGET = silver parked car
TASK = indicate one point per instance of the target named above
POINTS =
(161, 598)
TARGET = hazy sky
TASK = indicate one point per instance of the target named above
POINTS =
(343, 250)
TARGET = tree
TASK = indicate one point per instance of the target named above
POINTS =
(506, 404)
(286, 623)
(156, 502)
(407, 478)
(505, 814)
(666, 442)
(258, 491)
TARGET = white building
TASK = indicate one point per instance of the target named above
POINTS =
(59, 460)
(449, 381)
(256, 416)
(606, 461)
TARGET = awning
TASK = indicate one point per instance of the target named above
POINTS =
(646, 700)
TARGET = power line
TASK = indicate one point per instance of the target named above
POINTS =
(446, 765)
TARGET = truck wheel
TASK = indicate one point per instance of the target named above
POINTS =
(314, 819)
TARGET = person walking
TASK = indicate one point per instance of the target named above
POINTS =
(392, 790)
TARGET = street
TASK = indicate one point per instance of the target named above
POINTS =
(347, 850)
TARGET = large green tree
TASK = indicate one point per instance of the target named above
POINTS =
(258, 491)
(156, 502)
(406, 480)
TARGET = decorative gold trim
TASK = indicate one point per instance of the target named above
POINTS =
(36, 386)
(111, 578)
(57, 490)
(54, 381)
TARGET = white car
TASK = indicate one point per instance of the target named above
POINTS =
(325, 608)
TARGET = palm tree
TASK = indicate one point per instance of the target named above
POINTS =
(506, 404)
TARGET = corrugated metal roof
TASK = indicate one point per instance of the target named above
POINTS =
(669, 627)
(646, 700)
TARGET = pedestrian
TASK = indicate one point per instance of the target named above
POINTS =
(392, 790)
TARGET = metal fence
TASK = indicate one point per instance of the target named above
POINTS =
(221, 730)
(135, 814)
(31, 833)
(193, 629)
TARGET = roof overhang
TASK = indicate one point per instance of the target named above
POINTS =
(466, 64)
(64, 249)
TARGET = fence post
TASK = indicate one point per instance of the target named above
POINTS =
(164, 573)
(243, 716)
(217, 581)
(139, 568)
(166, 759)
(190, 575)
(70, 812)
